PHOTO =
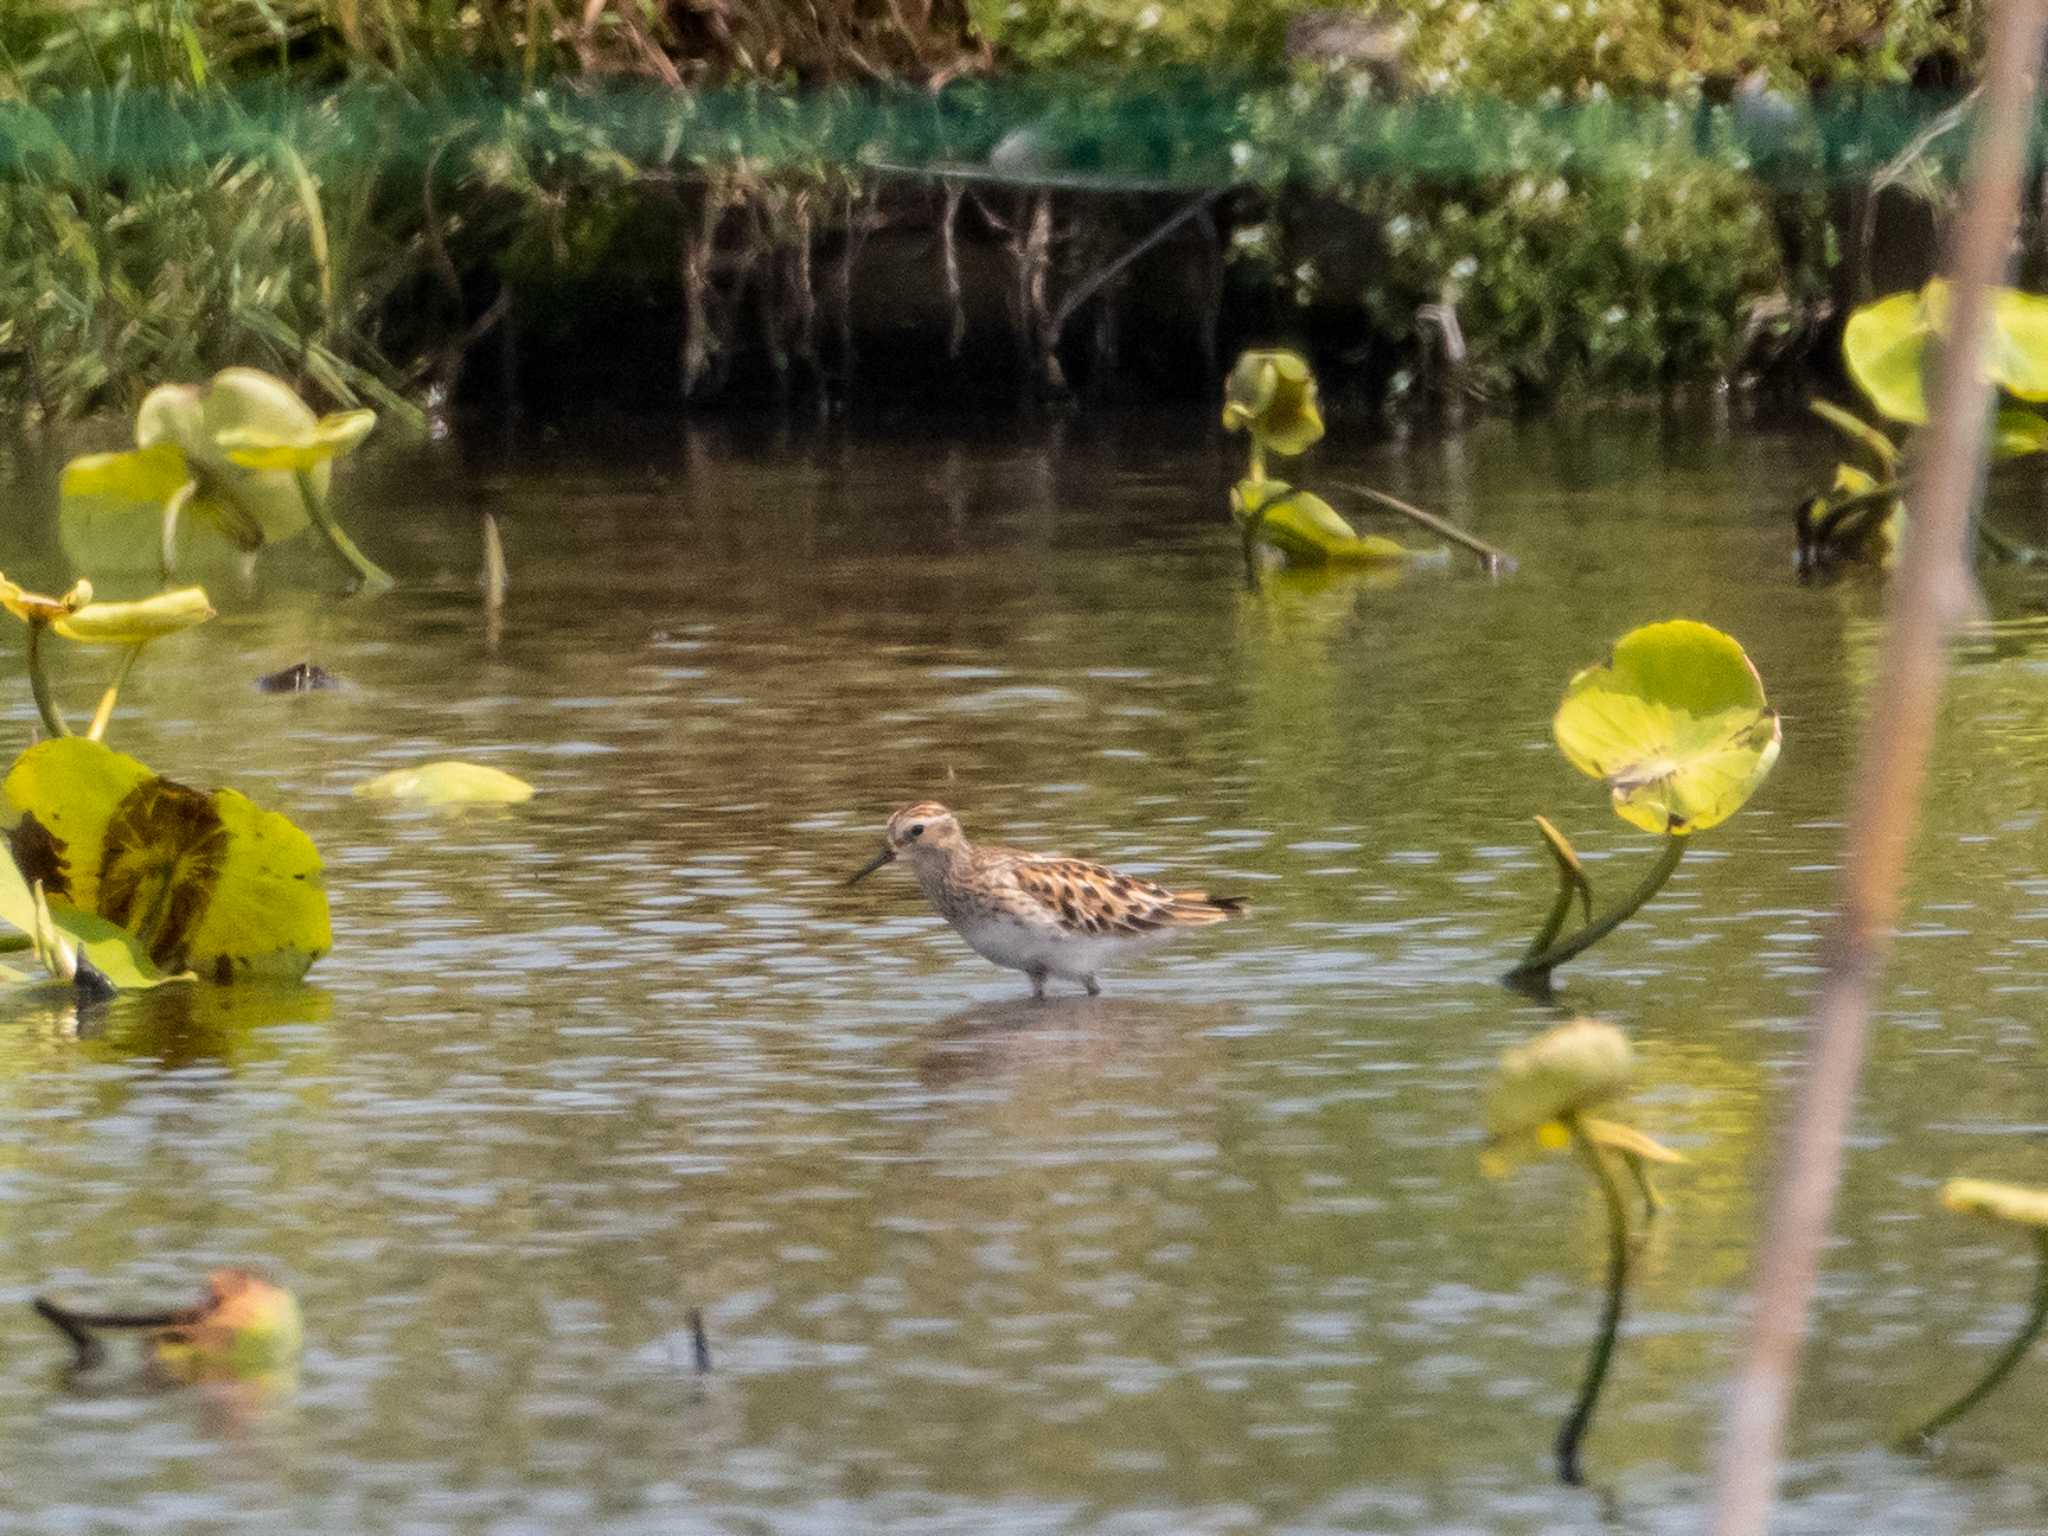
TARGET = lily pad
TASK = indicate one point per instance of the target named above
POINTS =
(206, 882)
(1561, 1072)
(2022, 1204)
(448, 783)
(1304, 527)
(328, 438)
(109, 948)
(1676, 726)
(1272, 394)
(1885, 345)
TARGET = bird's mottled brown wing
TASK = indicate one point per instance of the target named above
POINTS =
(1092, 899)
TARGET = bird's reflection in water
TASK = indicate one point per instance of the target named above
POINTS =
(1075, 1035)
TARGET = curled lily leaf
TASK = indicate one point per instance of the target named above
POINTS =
(2022, 1205)
(2016, 434)
(135, 623)
(328, 438)
(1676, 725)
(1304, 527)
(448, 783)
(1569, 870)
(1272, 395)
(1560, 1073)
(1857, 430)
(34, 608)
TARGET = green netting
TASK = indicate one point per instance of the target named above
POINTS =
(1159, 132)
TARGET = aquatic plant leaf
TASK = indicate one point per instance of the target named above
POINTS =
(1559, 1073)
(448, 783)
(245, 1327)
(207, 882)
(1272, 394)
(1885, 346)
(2019, 343)
(2017, 433)
(252, 506)
(1569, 869)
(330, 437)
(34, 608)
(1676, 726)
(111, 950)
(2022, 1204)
(1857, 430)
(140, 476)
(1851, 481)
(136, 623)
(1304, 527)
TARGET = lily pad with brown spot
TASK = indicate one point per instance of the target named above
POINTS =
(210, 883)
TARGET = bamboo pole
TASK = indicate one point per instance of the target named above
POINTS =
(1932, 593)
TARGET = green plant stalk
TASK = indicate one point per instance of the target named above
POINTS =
(1553, 925)
(1573, 1431)
(374, 577)
(105, 712)
(1598, 929)
(2001, 1367)
(39, 682)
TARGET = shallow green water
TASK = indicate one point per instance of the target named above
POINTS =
(1211, 1254)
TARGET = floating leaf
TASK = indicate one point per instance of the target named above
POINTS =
(2021, 1204)
(206, 882)
(1561, 1072)
(1272, 394)
(1675, 725)
(136, 623)
(1304, 527)
(329, 438)
(448, 783)
(1628, 1141)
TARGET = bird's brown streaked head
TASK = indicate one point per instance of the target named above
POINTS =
(924, 829)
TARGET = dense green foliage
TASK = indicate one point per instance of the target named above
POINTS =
(339, 190)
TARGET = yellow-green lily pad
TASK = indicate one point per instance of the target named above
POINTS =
(1885, 345)
(328, 438)
(207, 882)
(448, 783)
(1560, 1072)
(109, 948)
(1676, 726)
(1272, 395)
(1304, 527)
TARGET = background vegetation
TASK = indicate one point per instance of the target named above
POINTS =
(1508, 199)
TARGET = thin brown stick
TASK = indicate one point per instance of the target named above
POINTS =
(1932, 592)
(1495, 560)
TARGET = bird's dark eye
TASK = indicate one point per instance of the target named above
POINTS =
(918, 830)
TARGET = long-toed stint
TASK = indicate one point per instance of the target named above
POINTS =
(1036, 912)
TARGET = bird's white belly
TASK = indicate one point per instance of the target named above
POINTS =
(1022, 947)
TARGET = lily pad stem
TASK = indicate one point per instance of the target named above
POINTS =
(2009, 1357)
(105, 712)
(1573, 1432)
(1553, 925)
(1596, 930)
(372, 576)
(39, 682)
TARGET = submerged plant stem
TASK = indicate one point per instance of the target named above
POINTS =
(1596, 930)
(105, 712)
(2001, 1367)
(39, 682)
(1573, 1432)
(372, 576)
